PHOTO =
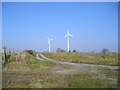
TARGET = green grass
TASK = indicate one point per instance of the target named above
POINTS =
(88, 58)
(110, 73)
(20, 85)
(25, 61)
(49, 82)
(88, 81)
(34, 63)
(83, 80)
(102, 78)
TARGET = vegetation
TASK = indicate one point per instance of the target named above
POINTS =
(23, 70)
(88, 81)
(60, 50)
(30, 52)
(74, 51)
(105, 51)
(34, 63)
(25, 61)
(88, 58)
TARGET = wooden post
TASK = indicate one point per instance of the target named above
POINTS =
(9, 51)
(4, 54)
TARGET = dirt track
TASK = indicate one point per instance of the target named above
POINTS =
(78, 64)
(59, 71)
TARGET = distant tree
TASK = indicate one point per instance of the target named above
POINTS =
(30, 51)
(74, 51)
(105, 51)
(93, 51)
(60, 50)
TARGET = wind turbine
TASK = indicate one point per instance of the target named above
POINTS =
(49, 40)
(68, 35)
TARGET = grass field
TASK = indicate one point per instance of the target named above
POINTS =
(25, 61)
(87, 58)
(25, 71)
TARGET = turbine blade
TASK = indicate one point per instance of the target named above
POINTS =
(67, 31)
(66, 35)
(70, 35)
(48, 38)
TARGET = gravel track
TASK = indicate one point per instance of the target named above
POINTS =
(78, 64)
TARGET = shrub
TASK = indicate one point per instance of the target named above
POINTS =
(74, 51)
(105, 51)
(60, 50)
(30, 51)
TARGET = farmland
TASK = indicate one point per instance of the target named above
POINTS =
(23, 70)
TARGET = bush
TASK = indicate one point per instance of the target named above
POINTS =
(60, 50)
(74, 51)
(30, 51)
(105, 51)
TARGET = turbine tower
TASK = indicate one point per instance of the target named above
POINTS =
(49, 40)
(68, 35)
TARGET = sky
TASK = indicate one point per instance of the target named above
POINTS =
(60, 0)
(94, 25)
(0, 26)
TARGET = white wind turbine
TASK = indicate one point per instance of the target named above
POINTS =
(49, 40)
(68, 35)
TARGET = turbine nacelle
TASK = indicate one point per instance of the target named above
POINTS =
(68, 34)
(49, 39)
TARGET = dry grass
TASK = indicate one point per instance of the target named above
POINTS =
(24, 61)
(88, 58)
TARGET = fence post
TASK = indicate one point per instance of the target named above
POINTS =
(4, 54)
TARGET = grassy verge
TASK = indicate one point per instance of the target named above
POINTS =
(88, 58)
(102, 78)
(87, 81)
(34, 63)
(25, 61)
